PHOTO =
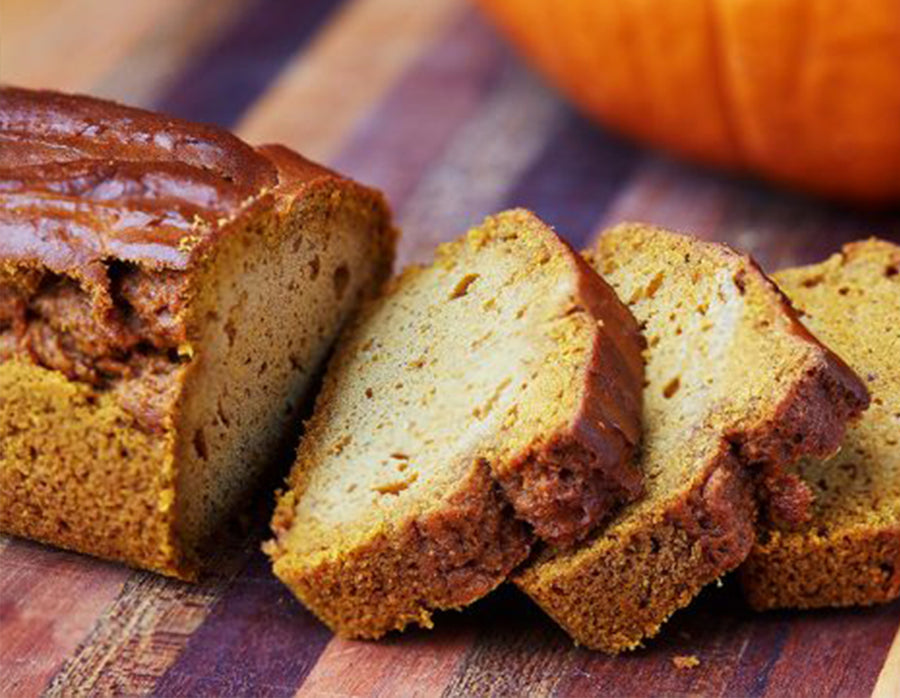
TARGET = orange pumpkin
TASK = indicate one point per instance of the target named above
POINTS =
(804, 92)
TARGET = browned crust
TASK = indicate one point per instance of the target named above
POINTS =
(613, 601)
(179, 184)
(444, 559)
(801, 570)
(565, 485)
(557, 487)
(811, 422)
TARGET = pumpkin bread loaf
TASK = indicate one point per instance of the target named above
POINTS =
(849, 551)
(167, 296)
(490, 395)
(733, 381)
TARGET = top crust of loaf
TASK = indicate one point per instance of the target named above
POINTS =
(504, 376)
(86, 180)
(736, 389)
(849, 551)
(119, 207)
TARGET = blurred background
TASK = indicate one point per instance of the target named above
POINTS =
(773, 125)
(427, 101)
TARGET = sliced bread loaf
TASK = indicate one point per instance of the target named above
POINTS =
(849, 551)
(733, 379)
(168, 297)
(499, 385)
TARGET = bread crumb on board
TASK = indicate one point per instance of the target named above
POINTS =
(686, 661)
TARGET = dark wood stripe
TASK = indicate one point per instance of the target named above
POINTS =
(226, 78)
(576, 178)
(474, 173)
(761, 644)
(782, 229)
(164, 49)
(257, 639)
(735, 652)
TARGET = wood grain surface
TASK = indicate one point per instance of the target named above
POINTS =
(424, 101)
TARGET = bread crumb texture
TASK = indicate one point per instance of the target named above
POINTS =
(686, 661)
(849, 551)
(735, 389)
(497, 386)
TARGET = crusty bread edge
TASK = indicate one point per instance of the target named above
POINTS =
(445, 558)
(786, 570)
(594, 450)
(708, 530)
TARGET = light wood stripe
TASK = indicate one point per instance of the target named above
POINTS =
(347, 69)
(888, 684)
(416, 665)
(40, 49)
(141, 75)
(49, 600)
(409, 129)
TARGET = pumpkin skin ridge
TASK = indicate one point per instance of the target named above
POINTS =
(808, 90)
(722, 80)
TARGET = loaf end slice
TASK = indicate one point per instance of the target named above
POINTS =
(489, 397)
(848, 552)
(168, 295)
(736, 388)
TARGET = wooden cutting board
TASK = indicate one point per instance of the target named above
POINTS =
(422, 100)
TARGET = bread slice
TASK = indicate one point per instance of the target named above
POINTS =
(736, 388)
(168, 295)
(499, 385)
(849, 551)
